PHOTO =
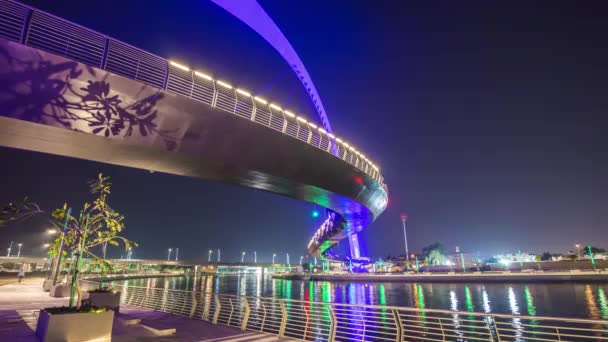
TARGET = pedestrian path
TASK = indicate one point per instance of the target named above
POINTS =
(20, 305)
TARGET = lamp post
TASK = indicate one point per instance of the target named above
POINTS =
(301, 258)
(242, 257)
(19, 250)
(218, 255)
(209, 259)
(274, 255)
(287, 258)
(578, 250)
(255, 257)
(403, 220)
(169, 254)
(9, 250)
(176, 253)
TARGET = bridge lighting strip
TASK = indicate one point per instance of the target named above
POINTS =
(180, 66)
(278, 108)
(205, 76)
(223, 84)
(243, 92)
(260, 100)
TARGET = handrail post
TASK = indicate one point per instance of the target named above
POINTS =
(218, 307)
(25, 29)
(362, 320)
(441, 327)
(264, 316)
(246, 315)
(398, 325)
(559, 337)
(495, 328)
(332, 323)
(194, 304)
(283, 318)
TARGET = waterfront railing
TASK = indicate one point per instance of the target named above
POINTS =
(38, 29)
(314, 321)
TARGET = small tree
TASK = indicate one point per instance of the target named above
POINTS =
(434, 254)
(97, 224)
(595, 250)
(546, 256)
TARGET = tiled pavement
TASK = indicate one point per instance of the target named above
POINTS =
(20, 304)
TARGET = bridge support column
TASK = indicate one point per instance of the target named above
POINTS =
(354, 246)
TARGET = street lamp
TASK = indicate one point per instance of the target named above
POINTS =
(46, 245)
(287, 257)
(9, 250)
(129, 253)
(169, 254)
(302, 257)
(274, 255)
(209, 259)
(218, 255)
(176, 253)
(403, 220)
(255, 257)
(19, 250)
(51, 231)
(578, 250)
(243, 257)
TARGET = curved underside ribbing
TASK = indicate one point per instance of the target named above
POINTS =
(56, 105)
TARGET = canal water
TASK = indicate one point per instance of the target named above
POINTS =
(578, 300)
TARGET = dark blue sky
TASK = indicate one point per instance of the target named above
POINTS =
(487, 119)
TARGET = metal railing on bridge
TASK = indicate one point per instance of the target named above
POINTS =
(41, 30)
(314, 321)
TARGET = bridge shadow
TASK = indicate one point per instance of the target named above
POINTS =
(50, 92)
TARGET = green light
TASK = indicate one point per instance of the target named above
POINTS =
(462, 261)
(315, 213)
(382, 294)
(530, 302)
(468, 299)
(591, 256)
(603, 302)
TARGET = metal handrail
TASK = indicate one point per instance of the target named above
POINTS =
(310, 320)
(32, 27)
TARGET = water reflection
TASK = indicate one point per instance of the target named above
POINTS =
(563, 299)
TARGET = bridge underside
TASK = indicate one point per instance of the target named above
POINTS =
(55, 105)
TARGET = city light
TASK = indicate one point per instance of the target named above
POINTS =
(46, 245)
(19, 250)
(274, 106)
(169, 254)
(290, 114)
(51, 231)
(274, 255)
(243, 257)
(209, 258)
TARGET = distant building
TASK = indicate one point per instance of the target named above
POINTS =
(515, 257)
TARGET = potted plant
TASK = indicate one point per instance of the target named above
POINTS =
(75, 324)
(96, 226)
(104, 298)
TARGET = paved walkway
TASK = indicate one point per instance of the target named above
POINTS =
(20, 304)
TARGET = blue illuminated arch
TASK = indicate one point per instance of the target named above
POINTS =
(252, 14)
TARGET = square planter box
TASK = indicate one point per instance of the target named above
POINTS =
(75, 327)
(107, 300)
(60, 290)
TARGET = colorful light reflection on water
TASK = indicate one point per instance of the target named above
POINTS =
(555, 299)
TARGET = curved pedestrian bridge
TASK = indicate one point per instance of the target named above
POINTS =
(71, 91)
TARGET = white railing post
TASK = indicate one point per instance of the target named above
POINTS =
(194, 304)
(398, 325)
(246, 315)
(332, 323)
(218, 307)
(263, 316)
(283, 318)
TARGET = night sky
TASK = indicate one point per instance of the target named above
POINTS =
(487, 119)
